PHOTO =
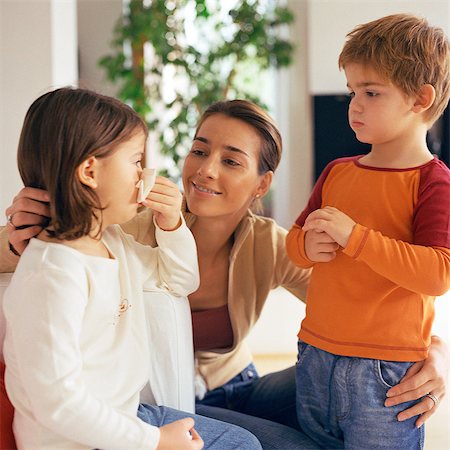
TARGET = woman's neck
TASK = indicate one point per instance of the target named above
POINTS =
(213, 235)
(214, 239)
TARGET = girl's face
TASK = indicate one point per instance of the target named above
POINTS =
(220, 173)
(118, 175)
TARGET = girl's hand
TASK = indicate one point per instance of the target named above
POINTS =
(165, 200)
(180, 435)
(428, 376)
(27, 215)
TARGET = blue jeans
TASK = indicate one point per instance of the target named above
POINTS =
(263, 405)
(215, 434)
(340, 402)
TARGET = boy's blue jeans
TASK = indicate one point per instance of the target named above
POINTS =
(340, 402)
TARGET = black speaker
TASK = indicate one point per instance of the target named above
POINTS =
(333, 137)
(438, 137)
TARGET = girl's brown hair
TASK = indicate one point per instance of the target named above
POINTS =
(62, 129)
(407, 51)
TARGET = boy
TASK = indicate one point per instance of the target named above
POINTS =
(377, 232)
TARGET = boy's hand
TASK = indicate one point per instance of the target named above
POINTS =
(165, 201)
(28, 214)
(319, 246)
(335, 223)
(179, 435)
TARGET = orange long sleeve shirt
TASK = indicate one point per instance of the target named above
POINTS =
(376, 298)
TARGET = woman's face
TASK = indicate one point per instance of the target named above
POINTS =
(220, 173)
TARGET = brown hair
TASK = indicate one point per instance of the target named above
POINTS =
(62, 129)
(248, 112)
(407, 51)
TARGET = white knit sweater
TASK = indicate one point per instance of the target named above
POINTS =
(76, 339)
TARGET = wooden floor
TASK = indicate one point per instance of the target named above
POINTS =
(437, 435)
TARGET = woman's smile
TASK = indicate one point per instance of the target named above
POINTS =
(204, 190)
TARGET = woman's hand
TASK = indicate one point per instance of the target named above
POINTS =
(427, 376)
(165, 200)
(27, 216)
(180, 435)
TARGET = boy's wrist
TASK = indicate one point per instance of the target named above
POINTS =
(356, 241)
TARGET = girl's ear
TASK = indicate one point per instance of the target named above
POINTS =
(425, 98)
(87, 172)
(264, 184)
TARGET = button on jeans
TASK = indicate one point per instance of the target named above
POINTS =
(340, 402)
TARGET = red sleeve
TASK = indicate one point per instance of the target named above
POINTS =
(431, 221)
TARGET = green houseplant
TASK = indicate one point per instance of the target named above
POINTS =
(172, 58)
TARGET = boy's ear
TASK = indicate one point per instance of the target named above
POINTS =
(264, 185)
(425, 98)
(87, 172)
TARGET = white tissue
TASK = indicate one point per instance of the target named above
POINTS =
(145, 184)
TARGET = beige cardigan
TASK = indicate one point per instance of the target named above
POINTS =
(258, 263)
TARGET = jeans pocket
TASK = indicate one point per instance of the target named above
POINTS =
(303, 349)
(390, 373)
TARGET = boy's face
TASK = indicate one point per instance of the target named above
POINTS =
(379, 112)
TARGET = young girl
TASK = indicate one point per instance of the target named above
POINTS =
(76, 343)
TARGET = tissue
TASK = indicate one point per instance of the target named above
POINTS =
(145, 184)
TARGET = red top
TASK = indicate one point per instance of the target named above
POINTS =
(212, 329)
(376, 298)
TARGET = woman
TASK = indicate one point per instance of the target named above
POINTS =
(230, 166)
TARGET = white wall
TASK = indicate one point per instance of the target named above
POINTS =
(277, 328)
(293, 179)
(38, 52)
(330, 20)
(96, 21)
